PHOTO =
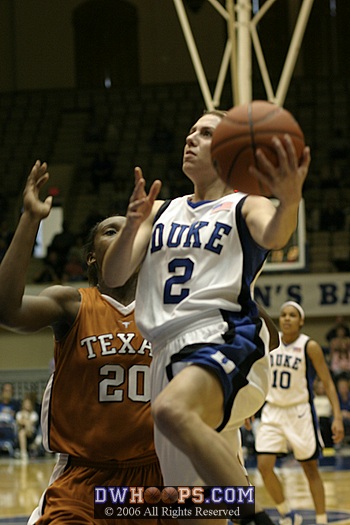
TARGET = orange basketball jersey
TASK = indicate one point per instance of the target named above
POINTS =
(97, 402)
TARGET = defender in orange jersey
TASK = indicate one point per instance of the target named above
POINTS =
(96, 407)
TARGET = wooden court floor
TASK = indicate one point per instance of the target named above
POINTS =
(21, 486)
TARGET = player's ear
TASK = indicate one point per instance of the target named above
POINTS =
(90, 259)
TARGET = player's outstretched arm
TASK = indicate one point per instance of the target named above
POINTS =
(125, 254)
(316, 355)
(270, 226)
(19, 312)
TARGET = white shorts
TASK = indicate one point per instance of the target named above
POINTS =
(176, 467)
(288, 428)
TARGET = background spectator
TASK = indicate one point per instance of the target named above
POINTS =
(74, 269)
(9, 406)
(339, 354)
(51, 271)
(61, 244)
(343, 389)
(339, 323)
(27, 425)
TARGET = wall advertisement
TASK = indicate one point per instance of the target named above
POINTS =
(319, 294)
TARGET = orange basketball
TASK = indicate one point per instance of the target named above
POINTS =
(169, 495)
(152, 495)
(241, 132)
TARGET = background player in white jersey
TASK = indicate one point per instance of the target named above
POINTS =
(289, 417)
(96, 410)
(200, 256)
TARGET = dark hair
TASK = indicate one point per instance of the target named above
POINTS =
(88, 248)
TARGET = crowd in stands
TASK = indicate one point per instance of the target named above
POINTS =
(338, 349)
(337, 353)
(20, 434)
(338, 357)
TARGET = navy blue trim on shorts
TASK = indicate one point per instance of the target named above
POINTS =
(231, 361)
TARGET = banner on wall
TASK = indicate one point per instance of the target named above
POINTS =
(320, 295)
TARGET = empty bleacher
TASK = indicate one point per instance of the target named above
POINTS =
(67, 127)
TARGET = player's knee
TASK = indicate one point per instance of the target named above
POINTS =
(311, 471)
(164, 412)
(168, 414)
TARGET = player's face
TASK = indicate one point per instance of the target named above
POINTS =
(290, 320)
(105, 235)
(197, 157)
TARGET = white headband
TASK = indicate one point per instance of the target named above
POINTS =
(296, 305)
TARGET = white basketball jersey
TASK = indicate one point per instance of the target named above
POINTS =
(201, 258)
(292, 374)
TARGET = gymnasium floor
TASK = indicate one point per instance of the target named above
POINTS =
(21, 486)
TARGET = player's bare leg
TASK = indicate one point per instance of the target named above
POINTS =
(232, 435)
(187, 412)
(266, 463)
(316, 485)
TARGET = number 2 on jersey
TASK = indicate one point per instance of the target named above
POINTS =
(170, 297)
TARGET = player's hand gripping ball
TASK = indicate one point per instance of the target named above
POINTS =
(152, 495)
(241, 132)
(169, 495)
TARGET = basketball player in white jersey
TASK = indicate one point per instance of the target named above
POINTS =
(199, 255)
(289, 415)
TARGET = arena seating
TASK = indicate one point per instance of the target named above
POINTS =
(67, 127)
